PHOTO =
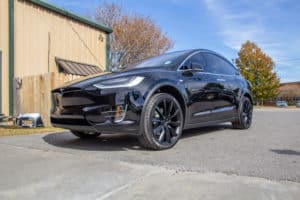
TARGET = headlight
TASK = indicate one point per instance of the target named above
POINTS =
(120, 82)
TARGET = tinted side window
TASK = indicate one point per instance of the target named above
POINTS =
(218, 65)
(197, 59)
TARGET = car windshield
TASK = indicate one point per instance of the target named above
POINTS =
(168, 59)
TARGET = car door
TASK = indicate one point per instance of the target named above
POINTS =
(199, 89)
(223, 76)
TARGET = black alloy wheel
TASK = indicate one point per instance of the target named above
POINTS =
(163, 122)
(244, 115)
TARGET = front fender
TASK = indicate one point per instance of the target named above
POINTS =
(164, 83)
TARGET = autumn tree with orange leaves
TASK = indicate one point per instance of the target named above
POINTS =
(134, 37)
(258, 68)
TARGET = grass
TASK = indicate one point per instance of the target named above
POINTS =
(12, 130)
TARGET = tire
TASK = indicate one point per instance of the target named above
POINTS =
(86, 135)
(244, 114)
(161, 122)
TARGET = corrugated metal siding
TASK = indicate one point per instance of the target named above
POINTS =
(42, 35)
(71, 15)
(4, 48)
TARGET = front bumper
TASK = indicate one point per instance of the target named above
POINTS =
(91, 110)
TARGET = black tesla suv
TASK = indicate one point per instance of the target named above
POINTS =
(156, 99)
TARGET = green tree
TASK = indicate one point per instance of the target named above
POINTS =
(258, 68)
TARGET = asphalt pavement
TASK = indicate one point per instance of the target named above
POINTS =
(214, 162)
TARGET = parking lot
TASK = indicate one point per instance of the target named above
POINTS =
(208, 163)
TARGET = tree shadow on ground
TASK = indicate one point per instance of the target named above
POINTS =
(116, 142)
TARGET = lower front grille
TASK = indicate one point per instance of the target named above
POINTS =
(68, 121)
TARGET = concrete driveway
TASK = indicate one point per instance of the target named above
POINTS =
(208, 163)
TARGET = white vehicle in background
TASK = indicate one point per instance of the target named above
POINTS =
(298, 103)
(281, 104)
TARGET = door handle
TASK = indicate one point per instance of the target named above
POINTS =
(196, 79)
(221, 79)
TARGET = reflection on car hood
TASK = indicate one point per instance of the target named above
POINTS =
(95, 78)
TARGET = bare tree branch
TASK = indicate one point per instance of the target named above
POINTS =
(134, 37)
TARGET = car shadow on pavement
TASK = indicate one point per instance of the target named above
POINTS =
(204, 130)
(105, 142)
(115, 142)
(286, 152)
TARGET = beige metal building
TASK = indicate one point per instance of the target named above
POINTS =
(289, 91)
(39, 38)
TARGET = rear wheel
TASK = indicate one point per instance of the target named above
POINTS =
(244, 114)
(162, 122)
(85, 135)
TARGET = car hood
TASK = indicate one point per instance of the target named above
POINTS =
(95, 78)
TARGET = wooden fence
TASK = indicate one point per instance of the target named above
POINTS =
(32, 93)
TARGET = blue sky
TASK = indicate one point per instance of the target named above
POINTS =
(221, 25)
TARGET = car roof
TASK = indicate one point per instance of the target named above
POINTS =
(189, 52)
(196, 50)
